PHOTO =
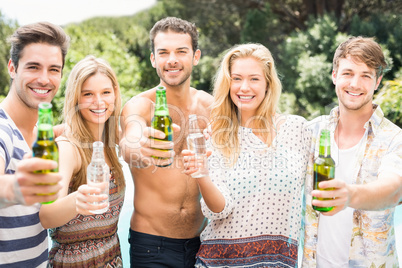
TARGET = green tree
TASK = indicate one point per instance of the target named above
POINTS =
(387, 30)
(305, 64)
(89, 40)
(7, 27)
(390, 100)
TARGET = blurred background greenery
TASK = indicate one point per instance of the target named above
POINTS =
(301, 34)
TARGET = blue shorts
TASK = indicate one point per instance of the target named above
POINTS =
(149, 251)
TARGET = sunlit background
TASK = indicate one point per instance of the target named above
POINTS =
(305, 73)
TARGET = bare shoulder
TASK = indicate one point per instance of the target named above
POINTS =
(203, 98)
(141, 104)
(58, 130)
(68, 151)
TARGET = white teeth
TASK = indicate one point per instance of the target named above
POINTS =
(354, 94)
(173, 71)
(40, 91)
(98, 111)
(245, 97)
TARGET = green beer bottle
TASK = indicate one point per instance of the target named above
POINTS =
(162, 120)
(324, 166)
(44, 146)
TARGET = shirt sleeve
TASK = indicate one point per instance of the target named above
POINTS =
(217, 166)
(392, 161)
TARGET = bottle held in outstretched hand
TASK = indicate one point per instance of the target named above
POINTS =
(324, 166)
(45, 146)
(196, 143)
(162, 120)
(98, 173)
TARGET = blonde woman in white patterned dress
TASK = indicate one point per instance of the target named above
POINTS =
(253, 194)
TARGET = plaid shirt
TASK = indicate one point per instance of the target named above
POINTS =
(373, 235)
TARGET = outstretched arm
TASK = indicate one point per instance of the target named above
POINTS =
(213, 197)
(136, 144)
(25, 187)
(381, 194)
(67, 206)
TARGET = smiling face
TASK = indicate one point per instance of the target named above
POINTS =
(39, 74)
(248, 86)
(174, 58)
(355, 84)
(96, 103)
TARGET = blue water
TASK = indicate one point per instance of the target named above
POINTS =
(125, 216)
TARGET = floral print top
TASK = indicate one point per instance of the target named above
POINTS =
(373, 235)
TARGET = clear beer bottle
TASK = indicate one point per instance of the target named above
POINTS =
(196, 143)
(98, 174)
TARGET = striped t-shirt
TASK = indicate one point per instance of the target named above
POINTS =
(23, 241)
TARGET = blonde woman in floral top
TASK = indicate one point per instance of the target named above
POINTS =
(367, 148)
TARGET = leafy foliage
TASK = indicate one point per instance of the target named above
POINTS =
(387, 30)
(306, 64)
(390, 100)
(7, 27)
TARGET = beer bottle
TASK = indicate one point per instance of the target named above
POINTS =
(161, 120)
(98, 174)
(44, 146)
(196, 143)
(324, 166)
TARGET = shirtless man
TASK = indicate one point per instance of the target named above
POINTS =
(167, 219)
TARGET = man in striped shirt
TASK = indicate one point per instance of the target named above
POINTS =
(36, 62)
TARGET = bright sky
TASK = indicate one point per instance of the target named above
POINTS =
(63, 12)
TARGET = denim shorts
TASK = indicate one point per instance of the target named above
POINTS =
(149, 251)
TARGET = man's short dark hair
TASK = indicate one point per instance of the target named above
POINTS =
(41, 32)
(176, 25)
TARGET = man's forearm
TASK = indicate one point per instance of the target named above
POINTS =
(384, 193)
(131, 153)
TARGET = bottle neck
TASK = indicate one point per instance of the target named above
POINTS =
(193, 125)
(325, 143)
(161, 107)
(45, 125)
(97, 153)
(325, 150)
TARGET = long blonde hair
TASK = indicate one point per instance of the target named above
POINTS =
(225, 116)
(77, 130)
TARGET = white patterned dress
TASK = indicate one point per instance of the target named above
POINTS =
(261, 222)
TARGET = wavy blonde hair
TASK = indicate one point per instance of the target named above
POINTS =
(225, 116)
(77, 130)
